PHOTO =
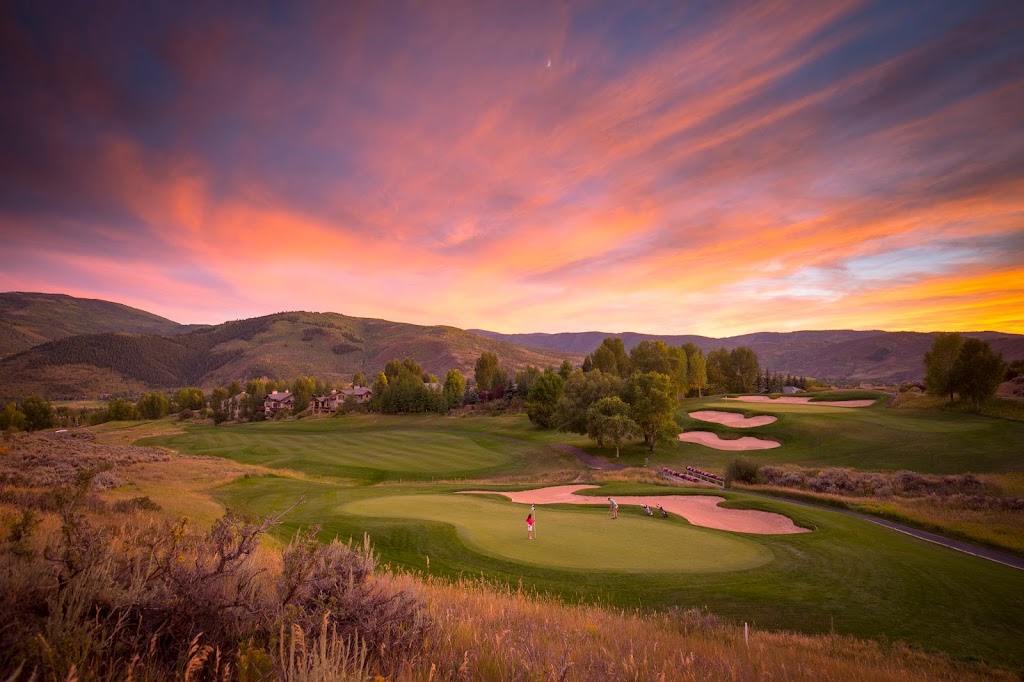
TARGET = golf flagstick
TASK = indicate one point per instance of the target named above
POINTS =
(533, 510)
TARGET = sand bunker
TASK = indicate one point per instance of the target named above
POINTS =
(700, 510)
(803, 401)
(733, 418)
(712, 440)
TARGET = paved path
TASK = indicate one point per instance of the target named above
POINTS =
(958, 545)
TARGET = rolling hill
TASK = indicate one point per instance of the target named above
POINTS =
(838, 355)
(284, 345)
(63, 346)
(29, 319)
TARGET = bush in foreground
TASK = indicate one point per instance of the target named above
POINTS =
(157, 599)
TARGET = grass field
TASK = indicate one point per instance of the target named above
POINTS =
(847, 576)
(367, 448)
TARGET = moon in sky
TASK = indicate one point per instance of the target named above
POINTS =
(549, 63)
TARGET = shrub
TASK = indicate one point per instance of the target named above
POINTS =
(161, 598)
(742, 470)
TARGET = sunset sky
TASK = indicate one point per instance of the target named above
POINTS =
(670, 167)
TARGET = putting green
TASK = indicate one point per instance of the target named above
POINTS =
(581, 539)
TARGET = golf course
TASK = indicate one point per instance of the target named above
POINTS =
(399, 479)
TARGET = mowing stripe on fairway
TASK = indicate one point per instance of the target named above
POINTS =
(392, 451)
(574, 539)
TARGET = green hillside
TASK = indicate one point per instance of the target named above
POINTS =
(29, 319)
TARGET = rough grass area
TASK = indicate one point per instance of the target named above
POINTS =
(55, 459)
(1005, 406)
(490, 631)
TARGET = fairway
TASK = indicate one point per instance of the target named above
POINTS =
(870, 438)
(373, 453)
(574, 539)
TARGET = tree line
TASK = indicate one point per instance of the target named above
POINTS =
(614, 396)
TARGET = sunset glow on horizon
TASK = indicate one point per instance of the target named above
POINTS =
(665, 168)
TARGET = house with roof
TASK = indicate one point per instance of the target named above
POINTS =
(235, 405)
(278, 402)
(331, 402)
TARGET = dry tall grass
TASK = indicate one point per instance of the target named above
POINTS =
(490, 632)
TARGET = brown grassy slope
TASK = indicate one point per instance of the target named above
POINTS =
(285, 345)
(491, 632)
(28, 319)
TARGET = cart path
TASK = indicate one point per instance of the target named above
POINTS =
(958, 545)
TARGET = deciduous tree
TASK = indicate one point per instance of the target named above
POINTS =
(486, 372)
(977, 371)
(190, 398)
(939, 362)
(120, 410)
(153, 406)
(543, 397)
(650, 355)
(38, 412)
(525, 379)
(651, 401)
(12, 419)
(608, 418)
(578, 394)
(696, 369)
(719, 370)
(454, 389)
(745, 369)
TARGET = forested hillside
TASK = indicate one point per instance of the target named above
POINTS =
(29, 319)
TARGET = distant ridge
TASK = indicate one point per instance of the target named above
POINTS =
(283, 345)
(63, 347)
(839, 355)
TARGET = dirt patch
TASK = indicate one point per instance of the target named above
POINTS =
(733, 419)
(790, 400)
(700, 510)
(712, 440)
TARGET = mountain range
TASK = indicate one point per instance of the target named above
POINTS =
(65, 347)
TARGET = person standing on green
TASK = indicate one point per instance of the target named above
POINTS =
(615, 508)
